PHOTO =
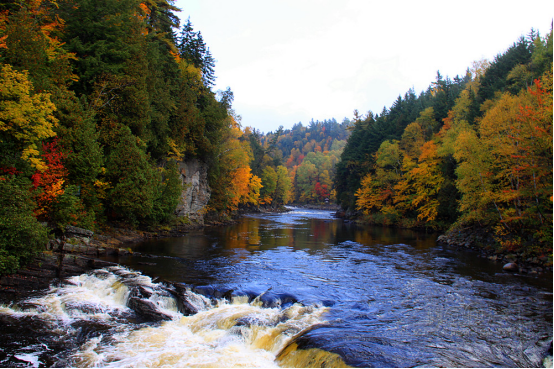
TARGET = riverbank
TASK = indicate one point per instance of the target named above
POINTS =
(75, 252)
(330, 207)
(517, 261)
(79, 250)
(478, 239)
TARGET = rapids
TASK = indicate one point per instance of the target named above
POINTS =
(298, 289)
(89, 312)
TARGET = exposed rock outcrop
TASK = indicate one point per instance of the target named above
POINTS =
(196, 195)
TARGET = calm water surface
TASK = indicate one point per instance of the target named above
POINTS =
(375, 297)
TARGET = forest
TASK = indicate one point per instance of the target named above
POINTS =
(309, 155)
(100, 100)
(473, 153)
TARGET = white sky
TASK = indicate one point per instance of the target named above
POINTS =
(289, 61)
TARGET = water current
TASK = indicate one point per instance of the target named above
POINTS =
(296, 289)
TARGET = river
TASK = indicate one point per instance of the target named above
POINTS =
(296, 289)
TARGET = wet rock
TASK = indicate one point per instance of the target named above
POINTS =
(30, 306)
(224, 294)
(442, 238)
(279, 300)
(184, 301)
(89, 329)
(71, 231)
(185, 306)
(510, 267)
(44, 270)
(146, 309)
(141, 292)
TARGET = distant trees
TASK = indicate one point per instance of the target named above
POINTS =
(298, 164)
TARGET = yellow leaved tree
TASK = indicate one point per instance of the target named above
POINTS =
(505, 167)
(26, 119)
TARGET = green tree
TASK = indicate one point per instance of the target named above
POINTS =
(167, 194)
(193, 49)
(132, 179)
(283, 186)
(21, 235)
(306, 179)
(269, 183)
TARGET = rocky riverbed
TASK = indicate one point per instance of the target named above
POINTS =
(73, 253)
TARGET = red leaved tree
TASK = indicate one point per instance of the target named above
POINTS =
(50, 182)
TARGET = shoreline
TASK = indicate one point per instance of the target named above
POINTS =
(79, 250)
(481, 242)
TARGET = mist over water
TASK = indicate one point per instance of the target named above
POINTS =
(295, 289)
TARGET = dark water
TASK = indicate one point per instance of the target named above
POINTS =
(396, 298)
(377, 297)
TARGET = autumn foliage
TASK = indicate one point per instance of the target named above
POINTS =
(49, 183)
(99, 101)
(488, 165)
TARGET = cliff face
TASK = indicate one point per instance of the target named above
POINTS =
(196, 195)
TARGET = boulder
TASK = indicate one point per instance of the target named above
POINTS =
(184, 299)
(146, 309)
(511, 267)
(185, 306)
(442, 238)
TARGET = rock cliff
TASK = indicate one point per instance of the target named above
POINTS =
(196, 195)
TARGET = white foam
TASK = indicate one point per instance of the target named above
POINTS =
(30, 358)
(229, 334)
(210, 338)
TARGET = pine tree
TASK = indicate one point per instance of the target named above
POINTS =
(192, 48)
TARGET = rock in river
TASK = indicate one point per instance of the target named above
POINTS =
(146, 309)
(511, 267)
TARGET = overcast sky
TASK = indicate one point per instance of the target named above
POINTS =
(289, 61)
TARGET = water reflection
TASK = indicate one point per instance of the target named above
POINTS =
(397, 298)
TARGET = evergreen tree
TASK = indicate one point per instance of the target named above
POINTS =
(131, 178)
(193, 49)
(21, 235)
(495, 77)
